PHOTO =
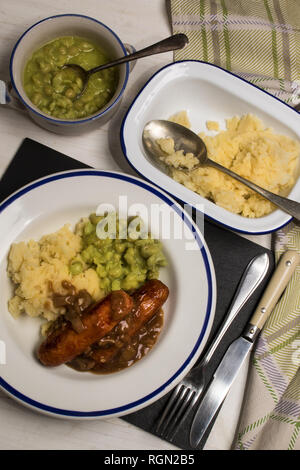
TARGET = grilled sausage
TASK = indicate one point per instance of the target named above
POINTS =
(63, 344)
(148, 299)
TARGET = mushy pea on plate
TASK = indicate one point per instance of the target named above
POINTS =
(39, 269)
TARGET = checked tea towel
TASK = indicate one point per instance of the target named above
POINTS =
(271, 413)
(259, 40)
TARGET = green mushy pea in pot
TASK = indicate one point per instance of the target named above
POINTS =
(121, 263)
(54, 89)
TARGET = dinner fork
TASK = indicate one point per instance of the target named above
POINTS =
(189, 390)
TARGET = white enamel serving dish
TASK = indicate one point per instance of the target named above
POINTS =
(43, 207)
(206, 92)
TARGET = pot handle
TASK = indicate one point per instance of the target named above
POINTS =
(7, 97)
(130, 50)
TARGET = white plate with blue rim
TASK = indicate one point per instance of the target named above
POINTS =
(207, 92)
(43, 207)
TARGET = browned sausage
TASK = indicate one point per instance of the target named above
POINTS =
(63, 344)
(148, 299)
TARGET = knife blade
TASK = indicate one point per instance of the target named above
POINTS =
(239, 350)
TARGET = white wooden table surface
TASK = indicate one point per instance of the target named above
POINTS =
(140, 23)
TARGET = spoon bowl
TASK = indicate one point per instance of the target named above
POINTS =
(184, 139)
(189, 142)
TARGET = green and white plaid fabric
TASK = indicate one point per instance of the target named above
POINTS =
(259, 40)
(271, 413)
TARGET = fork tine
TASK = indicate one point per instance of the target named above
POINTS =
(180, 411)
(169, 419)
(182, 414)
(171, 401)
(164, 420)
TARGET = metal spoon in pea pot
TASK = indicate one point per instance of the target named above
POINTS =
(172, 43)
(190, 142)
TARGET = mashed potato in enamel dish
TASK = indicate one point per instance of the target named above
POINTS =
(248, 148)
(39, 267)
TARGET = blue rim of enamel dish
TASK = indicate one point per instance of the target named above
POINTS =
(210, 301)
(45, 116)
(222, 224)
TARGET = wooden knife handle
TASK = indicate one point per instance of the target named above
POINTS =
(279, 280)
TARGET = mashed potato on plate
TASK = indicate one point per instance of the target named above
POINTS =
(39, 267)
(246, 147)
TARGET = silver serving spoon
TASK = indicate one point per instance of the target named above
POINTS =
(190, 142)
(172, 43)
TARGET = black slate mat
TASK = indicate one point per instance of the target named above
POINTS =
(230, 253)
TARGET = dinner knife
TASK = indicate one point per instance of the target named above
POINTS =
(238, 351)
